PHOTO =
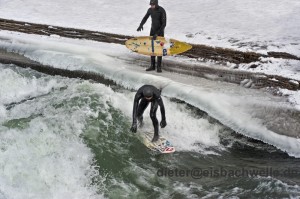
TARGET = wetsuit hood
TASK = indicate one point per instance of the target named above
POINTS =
(154, 2)
(147, 92)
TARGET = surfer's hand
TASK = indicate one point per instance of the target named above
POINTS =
(154, 37)
(133, 128)
(163, 124)
(140, 28)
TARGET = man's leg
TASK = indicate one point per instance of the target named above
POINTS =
(154, 106)
(152, 67)
(159, 58)
(141, 108)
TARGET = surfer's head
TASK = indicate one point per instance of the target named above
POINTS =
(153, 3)
(148, 93)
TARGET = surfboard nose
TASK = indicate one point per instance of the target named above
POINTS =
(179, 47)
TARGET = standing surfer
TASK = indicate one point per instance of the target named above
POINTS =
(159, 22)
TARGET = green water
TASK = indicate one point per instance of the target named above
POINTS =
(131, 171)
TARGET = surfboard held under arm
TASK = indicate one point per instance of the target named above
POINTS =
(159, 47)
(162, 145)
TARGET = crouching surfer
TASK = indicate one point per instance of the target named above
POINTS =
(144, 96)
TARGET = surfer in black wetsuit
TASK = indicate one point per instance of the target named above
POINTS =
(147, 94)
(159, 22)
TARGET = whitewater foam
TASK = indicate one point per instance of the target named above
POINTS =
(231, 109)
(42, 154)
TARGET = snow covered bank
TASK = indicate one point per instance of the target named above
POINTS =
(267, 25)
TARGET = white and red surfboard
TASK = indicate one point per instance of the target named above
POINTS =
(162, 145)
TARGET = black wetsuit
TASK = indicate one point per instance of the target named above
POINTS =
(159, 20)
(139, 107)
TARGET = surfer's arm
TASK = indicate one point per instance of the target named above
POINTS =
(164, 22)
(134, 112)
(135, 107)
(162, 108)
(163, 122)
(145, 18)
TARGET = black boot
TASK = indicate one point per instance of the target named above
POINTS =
(159, 59)
(152, 67)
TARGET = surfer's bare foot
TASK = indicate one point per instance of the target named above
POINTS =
(155, 138)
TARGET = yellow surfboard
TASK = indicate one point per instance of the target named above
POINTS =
(159, 47)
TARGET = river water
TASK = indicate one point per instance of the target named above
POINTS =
(70, 138)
